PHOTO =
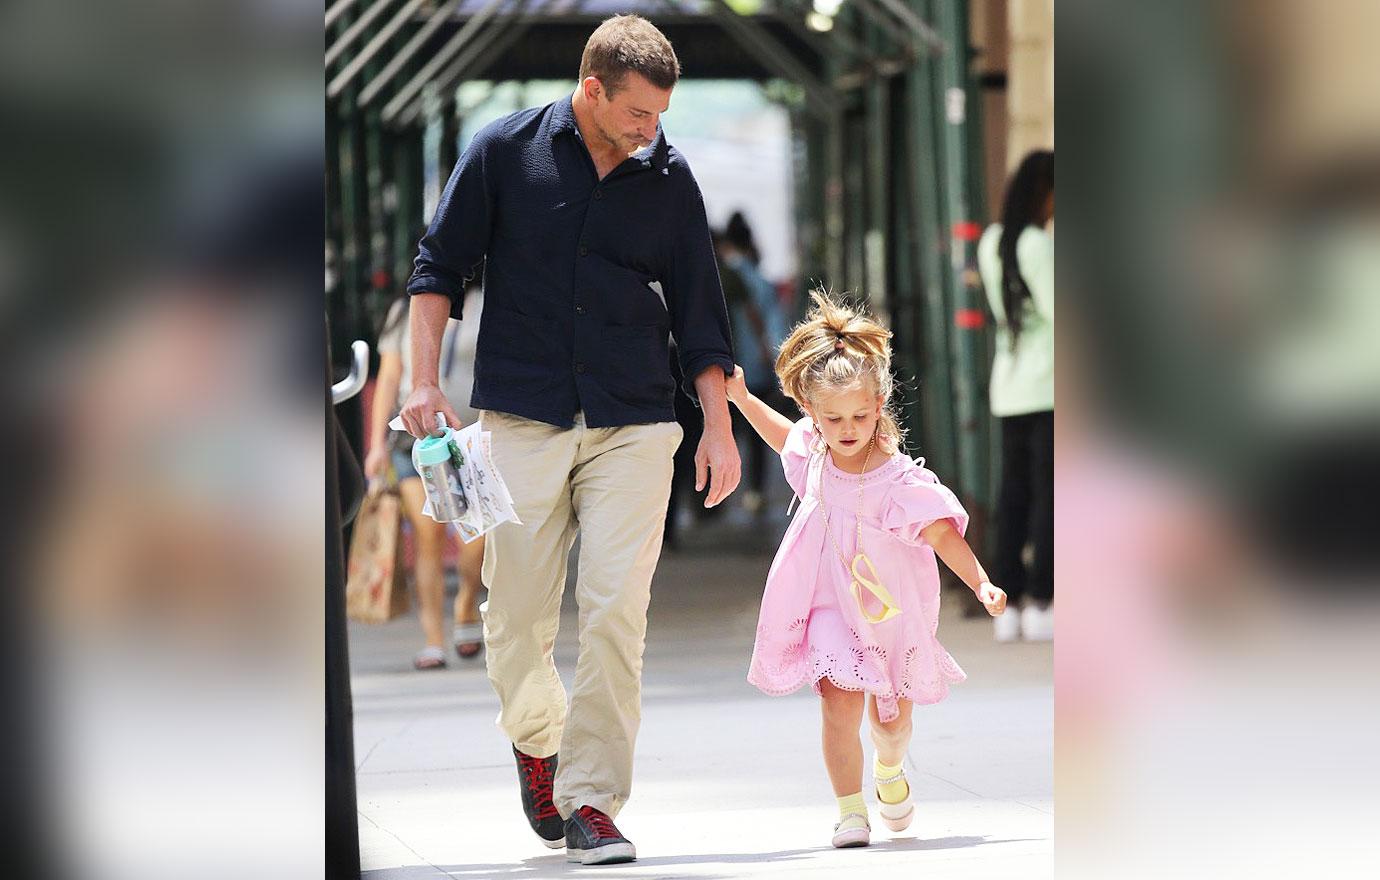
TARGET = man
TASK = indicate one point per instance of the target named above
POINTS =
(592, 235)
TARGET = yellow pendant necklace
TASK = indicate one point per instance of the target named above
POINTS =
(865, 579)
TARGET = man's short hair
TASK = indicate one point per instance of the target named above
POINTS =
(629, 43)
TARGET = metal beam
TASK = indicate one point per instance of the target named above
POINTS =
(821, 42)
(423, 76)
(917, 26)
(886, 24)
(346, 76)
(353, 31)
(476, 56)
(396, 63)
(340, 8)
(819, 97)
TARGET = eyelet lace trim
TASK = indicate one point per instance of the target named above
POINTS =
(784, 664)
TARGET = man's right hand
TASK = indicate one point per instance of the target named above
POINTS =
(420, 409)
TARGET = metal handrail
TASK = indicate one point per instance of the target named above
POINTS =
(359, 374)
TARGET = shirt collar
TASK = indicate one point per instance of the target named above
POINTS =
(563, 117)
(656, 155)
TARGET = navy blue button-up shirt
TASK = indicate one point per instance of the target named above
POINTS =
(571, 264)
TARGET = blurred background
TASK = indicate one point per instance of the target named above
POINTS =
(1216, 452)
(166, 176)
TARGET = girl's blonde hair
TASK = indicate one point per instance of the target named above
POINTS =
(840, 347)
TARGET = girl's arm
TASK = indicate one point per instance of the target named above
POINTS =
(767, 422)
(949, 546)
(385, 398)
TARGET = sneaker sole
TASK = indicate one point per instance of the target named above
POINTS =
(608, 854)
(552, 844)
(852, 837)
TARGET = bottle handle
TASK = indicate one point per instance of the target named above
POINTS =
(440, 425)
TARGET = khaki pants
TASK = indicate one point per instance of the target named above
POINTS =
(612, 485)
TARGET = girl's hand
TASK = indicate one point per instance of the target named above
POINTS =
(993, 598)
(736, 386)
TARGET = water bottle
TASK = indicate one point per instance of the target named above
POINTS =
(438, 462)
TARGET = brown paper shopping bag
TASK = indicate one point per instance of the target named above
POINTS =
(377, 587)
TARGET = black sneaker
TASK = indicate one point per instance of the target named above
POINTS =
(592, 839)
(535, 776)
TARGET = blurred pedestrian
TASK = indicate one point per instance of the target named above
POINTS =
(759, 326)
(387, 447)
(595, 250)
(870, 524)
(1016, 259)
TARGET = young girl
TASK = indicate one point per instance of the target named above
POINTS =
(852, 600)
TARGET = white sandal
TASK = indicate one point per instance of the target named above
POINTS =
(430, 657)
(468, 635)
(896, 816)
(852, 830)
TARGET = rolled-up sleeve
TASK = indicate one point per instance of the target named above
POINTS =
(452, 252)
(695, 296)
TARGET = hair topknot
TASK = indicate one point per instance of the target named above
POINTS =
(839, 347)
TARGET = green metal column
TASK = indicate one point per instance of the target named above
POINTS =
(407, 181)
(811, 175)
(448, 152)
(834, 226)
(876, 231)
(354, 258)
(965, 294)
(378, 167)
(936, 425)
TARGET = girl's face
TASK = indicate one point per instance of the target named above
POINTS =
(847, 420)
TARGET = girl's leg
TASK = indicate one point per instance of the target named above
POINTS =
(891, 738)
(431, 541)
(843, 755)
(467, 599)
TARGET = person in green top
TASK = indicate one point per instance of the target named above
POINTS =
(1016, 259)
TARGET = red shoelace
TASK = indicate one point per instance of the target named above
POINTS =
(537, 776)
(601, 824)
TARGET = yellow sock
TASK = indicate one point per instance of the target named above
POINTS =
(890, 792)
(852, 803)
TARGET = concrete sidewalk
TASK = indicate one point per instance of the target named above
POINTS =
(729, 783)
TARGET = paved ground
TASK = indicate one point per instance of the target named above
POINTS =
(730, 783)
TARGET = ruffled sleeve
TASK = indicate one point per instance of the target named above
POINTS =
(795, 455)
(916, 500)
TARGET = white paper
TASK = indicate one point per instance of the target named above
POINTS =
(481, 485)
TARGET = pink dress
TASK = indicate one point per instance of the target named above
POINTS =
(811, 628)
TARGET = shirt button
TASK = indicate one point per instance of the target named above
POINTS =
(579, 366)
(584, 251)
(598, 194)
(579, 310)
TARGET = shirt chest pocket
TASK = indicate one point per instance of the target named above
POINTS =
(627, 297)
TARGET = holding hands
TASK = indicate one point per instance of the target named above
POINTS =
(736, 386)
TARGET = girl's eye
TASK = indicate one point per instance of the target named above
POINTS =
(833, 419)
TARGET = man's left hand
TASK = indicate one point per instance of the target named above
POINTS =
(718, 455)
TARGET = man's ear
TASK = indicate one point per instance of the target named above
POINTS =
(593, 88)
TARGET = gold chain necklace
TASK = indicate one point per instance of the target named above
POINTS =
(868, 580)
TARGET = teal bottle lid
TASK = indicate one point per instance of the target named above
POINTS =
(433, 450)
